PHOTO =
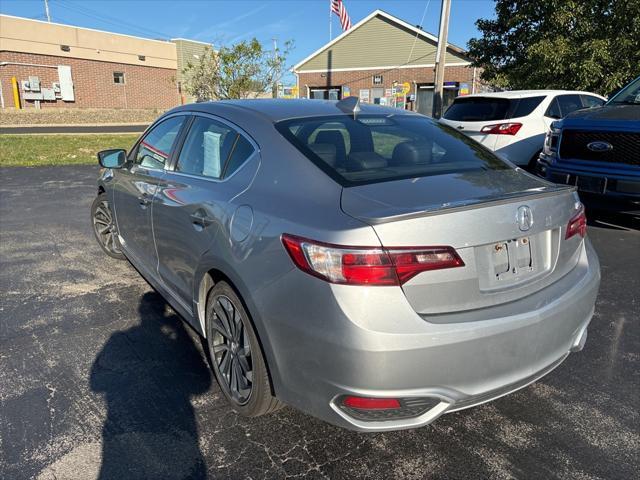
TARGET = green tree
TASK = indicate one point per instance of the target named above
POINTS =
(591, 45)
(242, 70)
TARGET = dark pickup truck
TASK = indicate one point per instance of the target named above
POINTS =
(598, 150)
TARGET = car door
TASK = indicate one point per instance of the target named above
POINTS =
(135, 186)
(194, 203)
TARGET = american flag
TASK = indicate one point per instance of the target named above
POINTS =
(339, 9)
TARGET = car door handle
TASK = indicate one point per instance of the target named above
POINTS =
(201, 220)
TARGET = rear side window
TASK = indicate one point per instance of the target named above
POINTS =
(526, 105)
(155, 147)
(568, 104)
(210, 147)
(478, 109)
(385, 147)
(553, 110)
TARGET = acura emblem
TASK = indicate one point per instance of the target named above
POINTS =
(599, 146)
(524, 218)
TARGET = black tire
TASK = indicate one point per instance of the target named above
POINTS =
(104, 227)
(229, 333)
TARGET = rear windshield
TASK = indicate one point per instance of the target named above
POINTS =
(378, 148)
(476, 109)
(482, 109)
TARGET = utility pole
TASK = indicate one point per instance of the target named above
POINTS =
(46, 10)
(441, 55)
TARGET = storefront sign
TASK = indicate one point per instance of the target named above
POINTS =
(364, 95)
(346, 91)
(464, 89)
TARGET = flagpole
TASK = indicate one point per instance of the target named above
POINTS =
(330, 13)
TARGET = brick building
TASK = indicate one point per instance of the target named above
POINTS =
(387, 61)
(65, 66)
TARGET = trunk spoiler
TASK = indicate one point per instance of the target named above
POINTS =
(391, 214)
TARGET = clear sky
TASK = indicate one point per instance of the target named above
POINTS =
(306, 22)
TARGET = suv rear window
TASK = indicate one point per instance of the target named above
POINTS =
(379, 148)
(482, 109)
(478, 109)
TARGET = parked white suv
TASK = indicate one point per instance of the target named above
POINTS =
(513, 124)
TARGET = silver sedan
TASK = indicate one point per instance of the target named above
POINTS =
(366, 265)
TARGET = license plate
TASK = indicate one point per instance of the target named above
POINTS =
(512, 258)
(590, 184)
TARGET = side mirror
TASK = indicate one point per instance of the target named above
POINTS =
(114, 158)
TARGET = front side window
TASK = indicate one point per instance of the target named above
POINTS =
(155, 148)
(377, 148)
(118, 77)
(212, 149)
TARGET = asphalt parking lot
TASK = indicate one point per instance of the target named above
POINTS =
(99, 377)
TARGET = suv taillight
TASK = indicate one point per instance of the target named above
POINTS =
(577, 224)
(367, 265)
(502, 128)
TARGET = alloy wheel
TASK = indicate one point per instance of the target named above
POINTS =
(105, 227)
(231, 349)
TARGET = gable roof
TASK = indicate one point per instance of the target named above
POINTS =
(390, 19)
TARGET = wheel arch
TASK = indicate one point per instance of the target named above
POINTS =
(208, 279)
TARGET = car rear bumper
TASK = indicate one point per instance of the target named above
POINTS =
(346, 340)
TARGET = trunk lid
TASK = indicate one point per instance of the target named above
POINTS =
(477, 214)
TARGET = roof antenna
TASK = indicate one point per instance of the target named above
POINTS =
(349, 105)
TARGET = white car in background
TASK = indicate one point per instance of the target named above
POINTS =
(513, 124)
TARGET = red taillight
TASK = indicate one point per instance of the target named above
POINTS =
(577, 224)
(367, 265)
(368, 403)
(502, 128)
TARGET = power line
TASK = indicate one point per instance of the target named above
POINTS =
(415, 39)
(109, 20)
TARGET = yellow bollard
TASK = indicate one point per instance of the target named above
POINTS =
(16, 94)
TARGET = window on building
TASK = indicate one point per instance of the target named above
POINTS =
(331, 93)
(377, 79)
(118, 77)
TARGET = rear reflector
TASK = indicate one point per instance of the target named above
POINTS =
(577, 224)
(368, 403)
(367, 265)
(502, 128)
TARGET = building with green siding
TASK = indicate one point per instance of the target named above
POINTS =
(187, 51)
(384, 60)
